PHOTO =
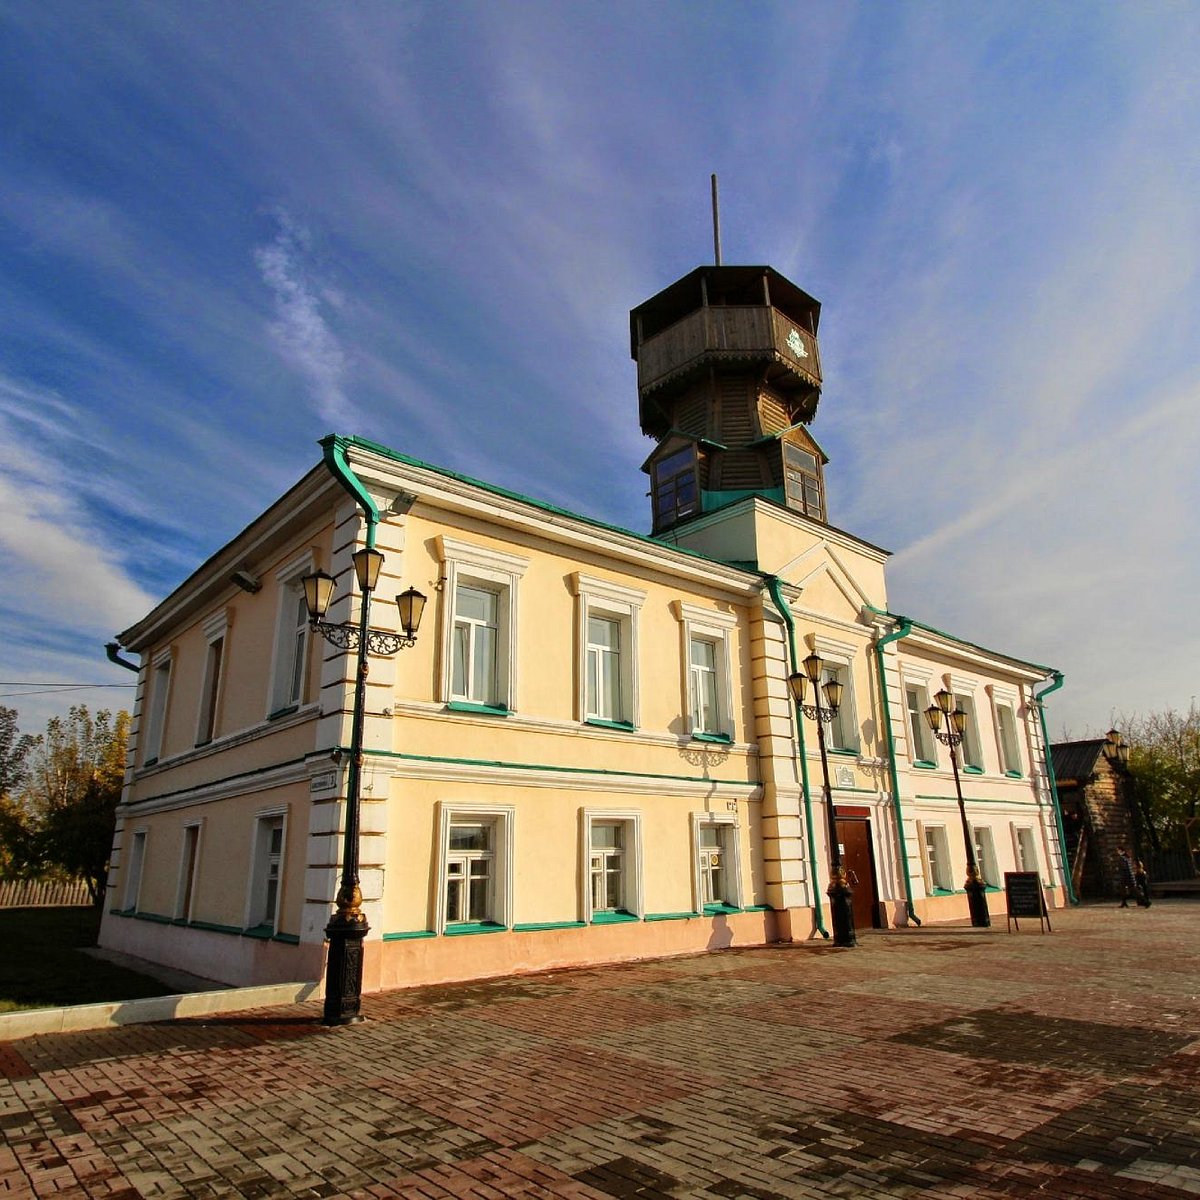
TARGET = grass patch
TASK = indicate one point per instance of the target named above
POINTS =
(42, 963)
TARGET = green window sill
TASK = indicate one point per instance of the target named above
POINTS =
(487, 710)
(940, 891)
(1013, 775)
(600, 723)
(612, 918)
(968, 769)
(759, 908)
(262, 932)
(408, 936)
(923, 764)
(150, 762)
(720, 910)
(469, 927)
(286, 711)
(288, 939)
(539, 926)
(211, 927)
(676, 916)
(991, 887)
(844, 750)
(721, 739)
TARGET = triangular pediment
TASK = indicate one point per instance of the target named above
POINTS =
(826, 583)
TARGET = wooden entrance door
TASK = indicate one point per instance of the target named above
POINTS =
(854, 835)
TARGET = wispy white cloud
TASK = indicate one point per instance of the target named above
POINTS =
(300, 330)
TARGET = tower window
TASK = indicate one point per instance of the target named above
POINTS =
(675, 492)
(802, 475)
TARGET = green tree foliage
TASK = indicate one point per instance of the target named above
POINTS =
(72, 792)
(16, 841)
(1164, 771)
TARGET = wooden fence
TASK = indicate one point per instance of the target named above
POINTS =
(42, 893)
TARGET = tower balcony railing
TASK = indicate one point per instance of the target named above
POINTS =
(728, 331)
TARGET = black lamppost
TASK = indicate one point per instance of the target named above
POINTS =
(953, 736)
(840, 895)
(348, 926)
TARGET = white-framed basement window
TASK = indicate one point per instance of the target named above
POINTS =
(985, 855)
(215, 631)
(1025, 848)
(479, 625)
(136, 860)
(838, 659)
(716, 862)
(707, 677)
(289, 666)
(606, 616)
(189, 862)
(155, 705)
(611, 853)
(474, 867)
(267, 865)
(935, 853)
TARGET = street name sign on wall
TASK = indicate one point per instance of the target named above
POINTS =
(1023, 897)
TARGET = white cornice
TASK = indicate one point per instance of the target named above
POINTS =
(948, 650)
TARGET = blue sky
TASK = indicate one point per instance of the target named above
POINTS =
(228, 229)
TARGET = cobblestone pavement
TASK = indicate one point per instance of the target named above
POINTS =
(931, 1063)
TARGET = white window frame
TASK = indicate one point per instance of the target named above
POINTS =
(502, 819)
(939, 869)
(162, 667)
(136, 860)
(730, 829)
(632, 867)
(1008, 756)
(495, 571)
(189, 870)
(216, 630)
(841, 657)
(984, 843)
(260, 856)
(704, 624)
(1020, 857)
(965, 690)
(910, 679)
(282, 697)
(613, 602)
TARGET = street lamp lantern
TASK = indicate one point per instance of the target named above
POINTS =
(935, 714)
(840, 895)
(348, 926)
(1115, 747)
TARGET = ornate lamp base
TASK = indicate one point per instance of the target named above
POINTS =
(977, 901)
(343, 970)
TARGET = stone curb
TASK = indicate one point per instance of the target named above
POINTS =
(152, 1008)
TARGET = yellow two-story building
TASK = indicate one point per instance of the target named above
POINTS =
(591, 750)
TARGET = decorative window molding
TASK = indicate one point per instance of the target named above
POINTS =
(1025, 848)
(289, 659)
(454, 869)
(985, 854)
(606, 674)
(189, 866)
(471, 574)
(1005, 703)
(268, 851)
(716, 862)
(922, 745)
(215, 629)
(136, 861)
(970, 749)
(611, 879)
(707, 673)
(839, 659)
(935, 858)
(159, 683)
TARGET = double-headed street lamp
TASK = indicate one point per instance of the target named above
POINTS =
(348, 926)
(944, 710)
(840, 896)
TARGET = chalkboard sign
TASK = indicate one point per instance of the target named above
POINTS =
(1023, 896)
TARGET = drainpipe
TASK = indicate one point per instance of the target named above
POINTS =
(1062, 835)
(902, 631)
(334, 448)
(773, 586)
(111, 649)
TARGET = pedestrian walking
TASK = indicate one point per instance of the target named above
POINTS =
(1125, 876)
(1141, 883)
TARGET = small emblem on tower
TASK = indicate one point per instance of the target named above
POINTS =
(795, 345)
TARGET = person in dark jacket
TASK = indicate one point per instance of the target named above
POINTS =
(1141, 884)
(1125, 876)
